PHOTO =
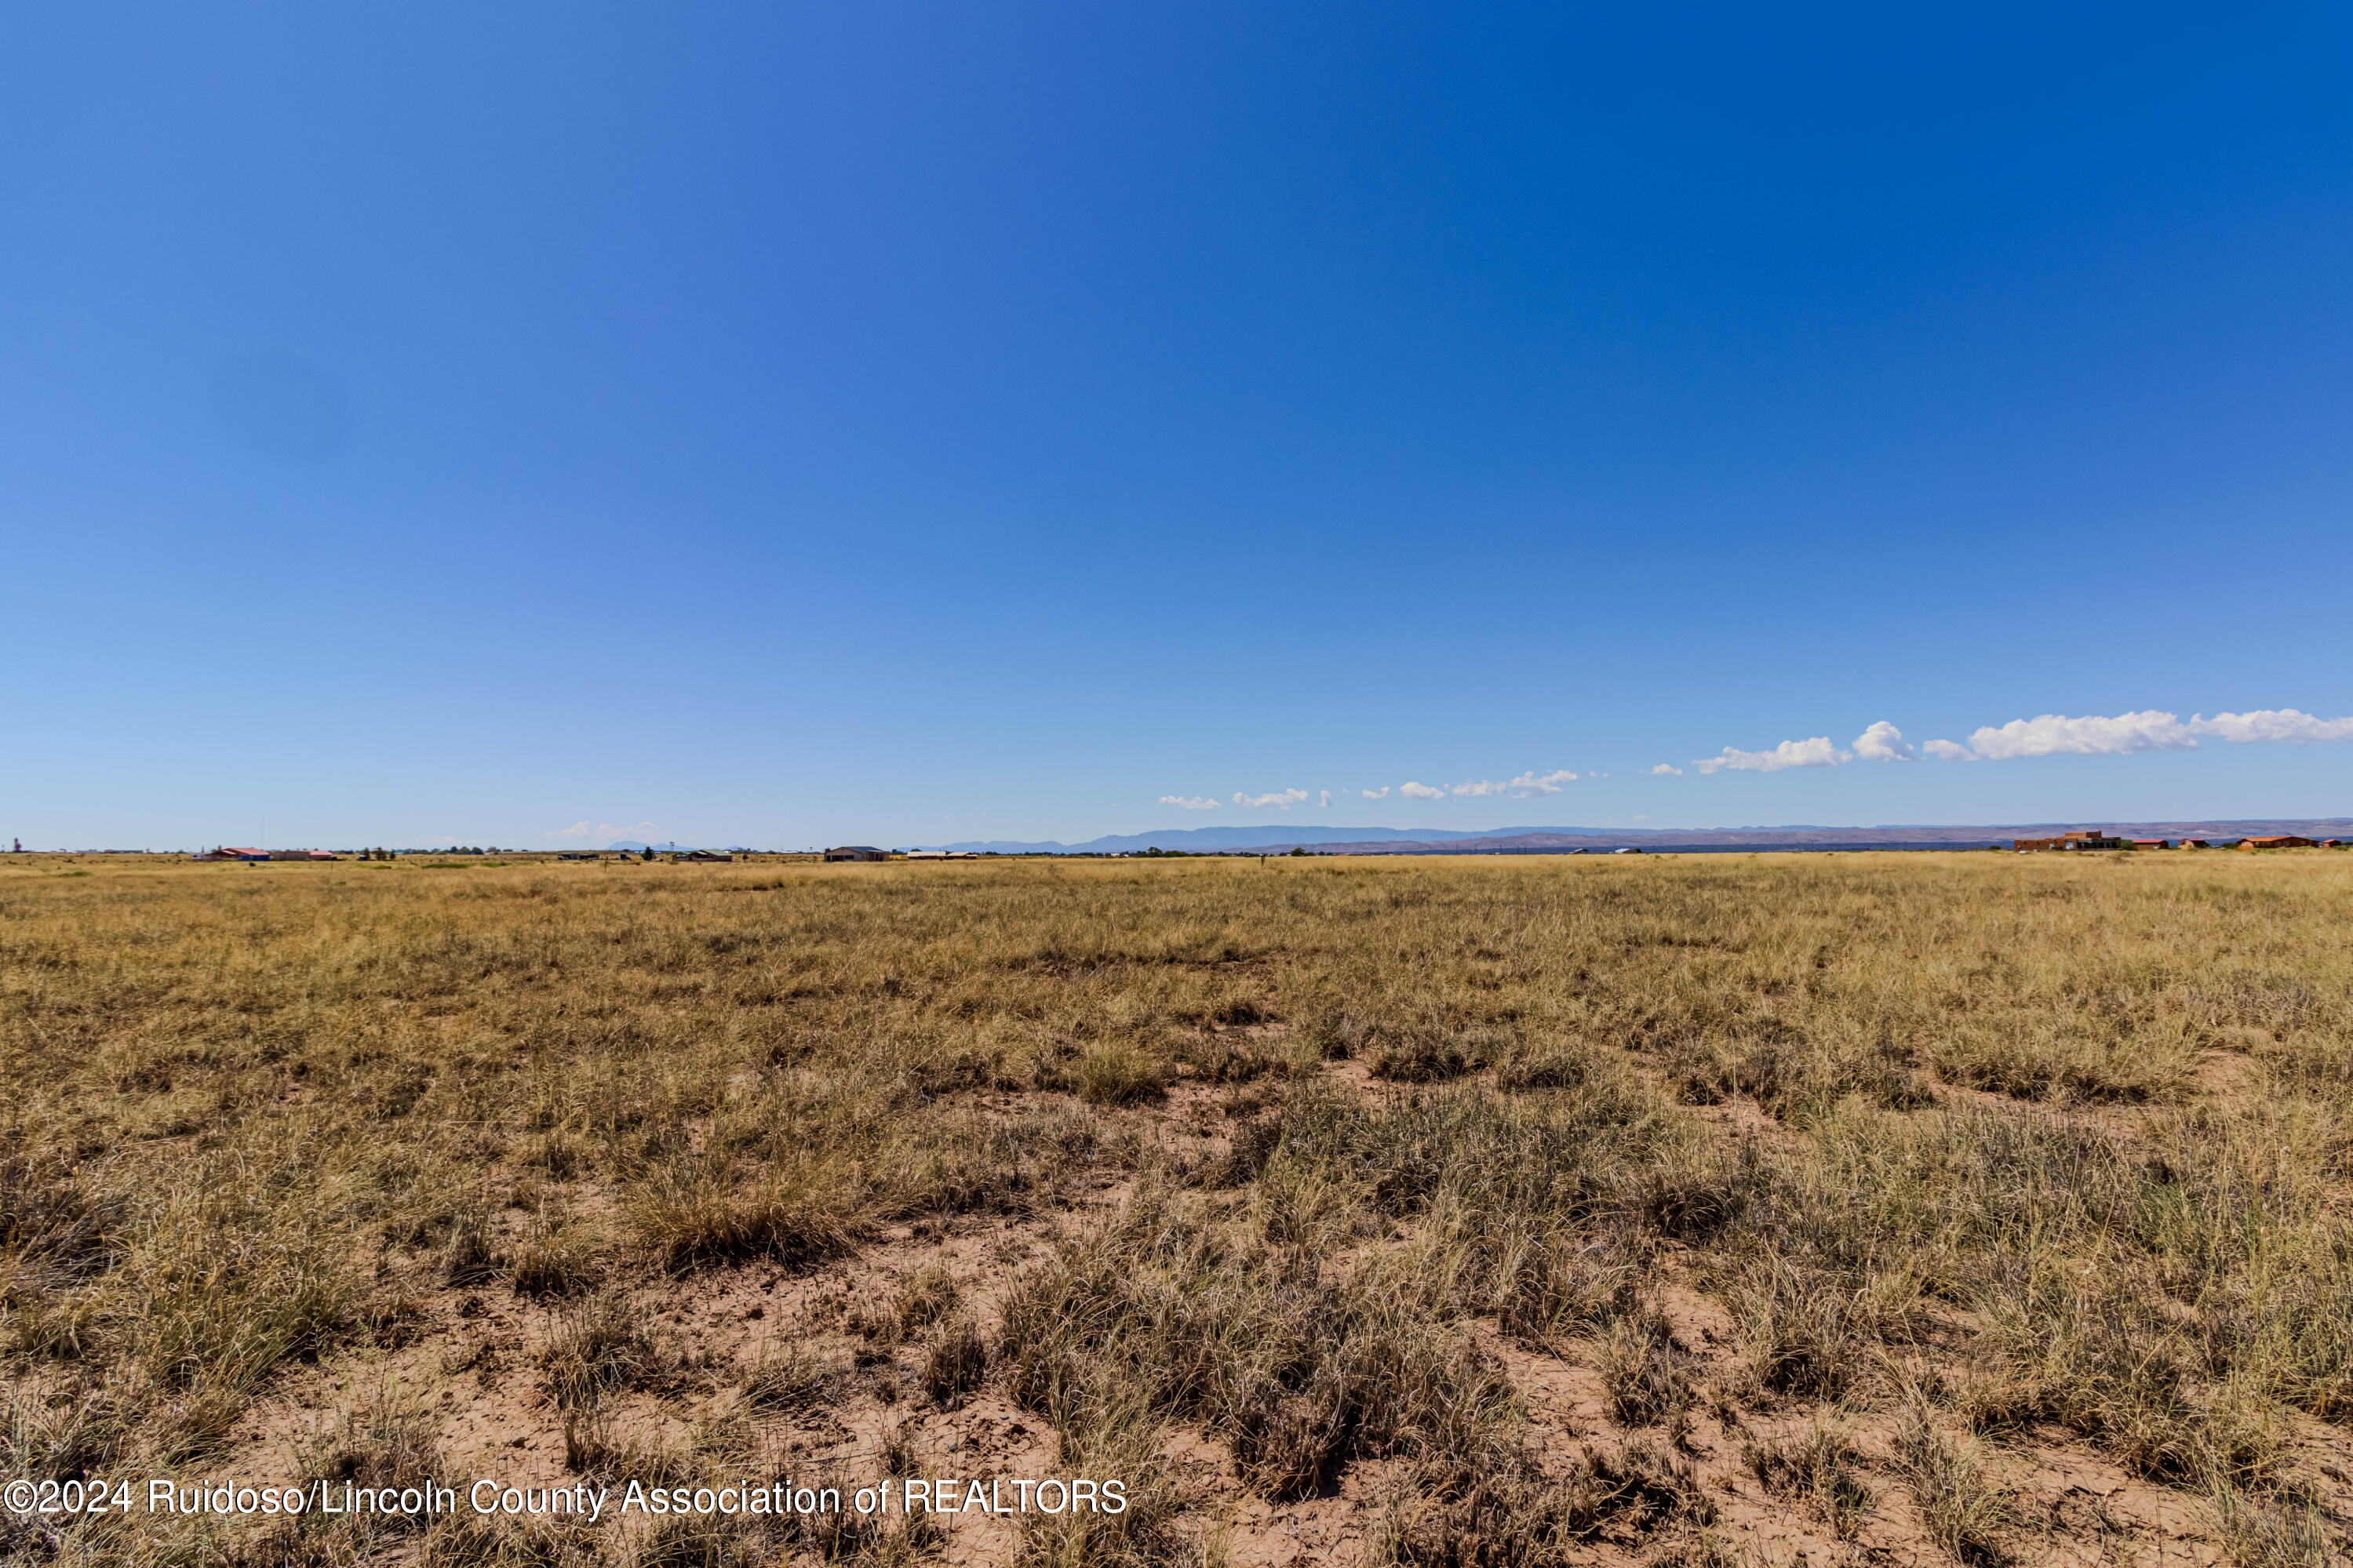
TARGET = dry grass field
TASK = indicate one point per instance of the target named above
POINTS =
(1903, 1208)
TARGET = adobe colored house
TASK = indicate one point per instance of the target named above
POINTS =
(2195, 844)
(2278, 841)
(2082, 838)
(2152, 843)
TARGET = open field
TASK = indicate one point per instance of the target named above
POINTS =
(1908, 1208)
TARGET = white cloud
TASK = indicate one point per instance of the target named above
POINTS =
(1326, 799)
(2055, 734)
(602, 830)
(1374, 793)
(1817, 752)
(2151, 729)
(1532, 782)
(1190, 803)
(2286, 724)
(1668, 768)
(1412, 791)
(1282, 801)
(1527, 783)
(1882, 743)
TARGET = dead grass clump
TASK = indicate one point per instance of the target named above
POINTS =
(2281, 1529)
(467, 1258)
(1805, 1331)
(792, 1380)
(1571, 1281)
(556, 1260)
(2072, 1060)
(390, 1443)
(76, 1431)
(1199, 1318)
(1817, 1465)
(956, 1359)
(595, 1348)
(1646, 1373)
(1965, 1509)
(1504, 1512)
(926, 1296)
(714, 1542)
(2096, 1354)
(700, 1213)
(1427, 1050)
(53, 1228)
(1119, 1074)
(466, 1541)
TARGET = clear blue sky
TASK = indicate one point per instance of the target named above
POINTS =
(780, 424)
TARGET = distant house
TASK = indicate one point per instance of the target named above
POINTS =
(297, 854)
(230, 854)
(937, 855)
(701, 855)
(2332, 844)
(2152, 843)
(2083, 838)
(2278, 841)
(857, 852)
(2196, 844)
(1628, 850)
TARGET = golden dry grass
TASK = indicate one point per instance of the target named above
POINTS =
(1463, 1210)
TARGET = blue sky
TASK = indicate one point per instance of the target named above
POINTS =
(780, 424)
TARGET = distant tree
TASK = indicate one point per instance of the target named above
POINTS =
(647, 852)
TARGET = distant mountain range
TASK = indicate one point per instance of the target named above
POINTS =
(1561, 840)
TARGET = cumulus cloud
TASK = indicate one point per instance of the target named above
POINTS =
(1326, 799)
(1189, 802)
(1882, 743)
(2290, 725)
(1534, 783)
(1528, 783)
(1668, 768)
(1817, 752)
(2150, 729)
(1374, 793)
(1412, 791)
(585, 829)
(2055, 734)
(1282, 800)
